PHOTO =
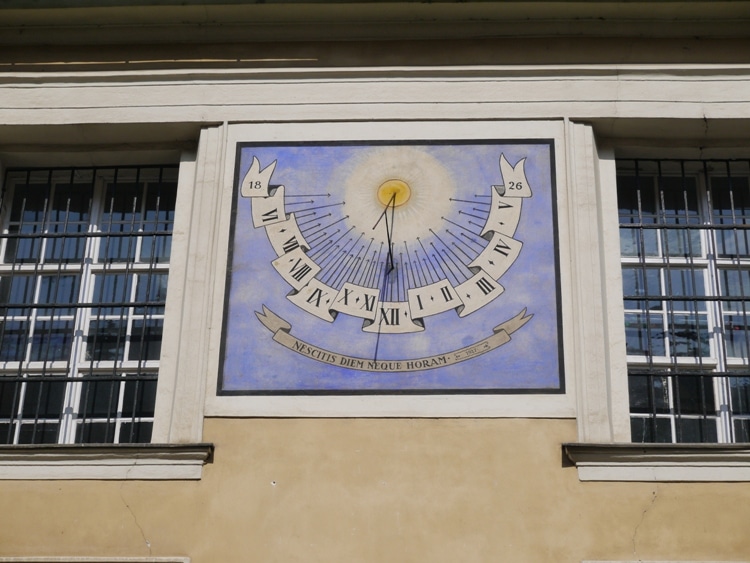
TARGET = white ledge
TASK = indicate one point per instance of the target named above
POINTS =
(106, 461)
(94, 559)
(660, 462)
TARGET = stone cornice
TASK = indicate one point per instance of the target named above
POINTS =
(660, 462)
(105, 461)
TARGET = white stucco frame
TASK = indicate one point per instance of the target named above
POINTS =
(559, 405)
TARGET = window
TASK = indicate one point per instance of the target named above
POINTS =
(685, 255)
(84, 261)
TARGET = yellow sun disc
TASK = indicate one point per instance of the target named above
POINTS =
(396, 190)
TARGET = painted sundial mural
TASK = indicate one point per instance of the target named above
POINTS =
(410, 267)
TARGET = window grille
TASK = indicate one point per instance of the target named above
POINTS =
(685, 253)
(84, 260)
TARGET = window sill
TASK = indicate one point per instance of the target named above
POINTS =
(660, 462)
(94, 559)
(105, 461)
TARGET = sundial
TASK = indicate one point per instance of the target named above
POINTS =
(377, 266)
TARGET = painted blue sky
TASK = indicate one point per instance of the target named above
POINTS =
(253, 362)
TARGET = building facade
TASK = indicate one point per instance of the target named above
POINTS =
(527, 340)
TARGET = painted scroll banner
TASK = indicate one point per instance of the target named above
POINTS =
(282, 333)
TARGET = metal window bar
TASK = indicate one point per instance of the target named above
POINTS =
(33, 408)
(702, 388)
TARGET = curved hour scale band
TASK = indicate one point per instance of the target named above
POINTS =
(282, 334)
(380, 312)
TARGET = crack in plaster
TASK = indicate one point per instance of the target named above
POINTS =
(650, 505)
(132, 513)
(705, 133)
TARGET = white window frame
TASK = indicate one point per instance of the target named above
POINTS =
(659, 561)
(709, 265)
(604, 451)
(72, 559)
(176, 450)
(87, 269)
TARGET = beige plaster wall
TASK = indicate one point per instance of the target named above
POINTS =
(380, 490)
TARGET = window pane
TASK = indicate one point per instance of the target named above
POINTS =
(648, 394)
(736, 336)
(145, 340)
(641, 282)
(52, 341)
(651, 429)
(39, 433)
(106, 341)
(159, 217)
(644, 334)
(20, 249)
(69, 213)
(637, 205)
(16, 289)
(95, 432)
(636, 199)
(27, 215)
(135, 432)
(678, 203)
(111, 289)
(99, 399)
(679, 206)
(7, 433)
(684, 282)
(741, 430)
(689, 335)
(696, 430)
(735, 283)
(640, 242)
(30, 203)
(71, 205)
(10, 396)
(140, 398)
(13, 340)
(43, 399)
(731, 206)
(693, 394)
(122, 215)
(59, 290)
(740, 395)
(681, 243)
(151, 288)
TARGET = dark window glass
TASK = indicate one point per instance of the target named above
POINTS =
(122, 215)
(114, 290)
(696, 430)
(135, 432)
(140, 398)
(651, 429)
(52, 341)
(145, 340)
(39, 433)
(44, 399)
(99, 398)
(96, 432)
(106, 340)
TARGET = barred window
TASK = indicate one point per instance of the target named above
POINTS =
(84, 260)
(685, 253)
